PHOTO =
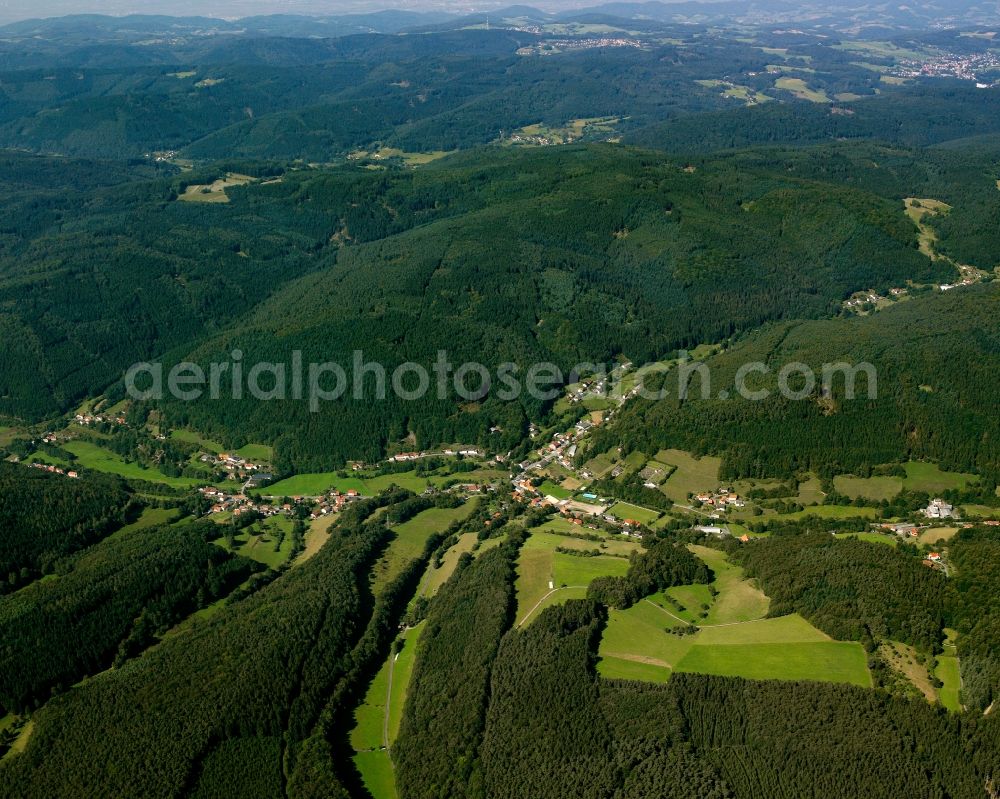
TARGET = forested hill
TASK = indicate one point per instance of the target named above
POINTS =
(960, 112)
(936, 359)
(576, 254)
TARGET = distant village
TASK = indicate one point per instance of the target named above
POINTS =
(965, 66)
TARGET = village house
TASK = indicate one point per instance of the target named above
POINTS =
(939, 509)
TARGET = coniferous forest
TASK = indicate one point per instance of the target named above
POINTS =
(742, 541)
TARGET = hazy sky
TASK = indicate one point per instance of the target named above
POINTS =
(11, 10)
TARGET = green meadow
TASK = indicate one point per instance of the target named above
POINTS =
(92, 456)
(625, 510)
(691, 475)
(542, 572)
(409, 539)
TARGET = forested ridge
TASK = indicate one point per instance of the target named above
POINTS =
(108, 604)
(935, 361)
(529, 257)
(45, 517)
(667, 258)
(445, 714)
(618, 186)
(249, 681)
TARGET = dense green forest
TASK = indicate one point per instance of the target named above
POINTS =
(443, 722)
(672, 256)
(619, 186)
(251, 680)
(45, 517)
(852, 590)
(535, 241)
(935, 360)
(108, 604)
(707, 736)
(976, 554)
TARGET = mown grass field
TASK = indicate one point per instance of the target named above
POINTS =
(929, 477)
(541, 570)
(150, 517)
(317, 483)
(801, 89)
(738, 599)
(830, 512)
(376, 773)
(402, 672)
(948, 671)
(872, 488)
(734, 639)
(191, 437)
(436, 577)
(625, 510)
(828, 661)
(259, 546)
(933, 535)
(635, 642)
(256, 452)
(409, 541)
(92, 456)
(548, 488)
(691, 475)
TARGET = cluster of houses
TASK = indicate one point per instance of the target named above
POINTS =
(332, 502)
(87, 419)
(252, 475)
(48, 467)
(722, 499)
(238, 504)
(402, 457)
(939, 509)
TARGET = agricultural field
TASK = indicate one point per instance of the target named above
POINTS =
(930, 478)
(903, 659)
(544, 573)
(436, 577)
(256, 452)
(92, 456)
(191, 437)
(810, 492)
(625, 510)
(636, 640)
(738, 599)
(376, 772)
(736, 91)
(410, 538)
(871, 488)
(215, 192)
(257, 541)
(820, 661)
(317, 534)
(600, 466)
(800, 89)
(548, 488)
(734, 639)
(934, 535)
(830, 512)
(378, 717)
(150, 517)
(691, 475)
(949, 673)
(387, 153)
(318, 483)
